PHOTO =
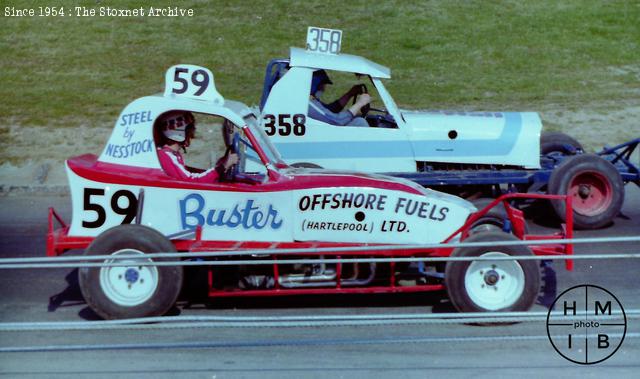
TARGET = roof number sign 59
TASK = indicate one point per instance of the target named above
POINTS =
(195, 82)
(326, 41)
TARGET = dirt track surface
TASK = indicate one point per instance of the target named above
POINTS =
(353, 351)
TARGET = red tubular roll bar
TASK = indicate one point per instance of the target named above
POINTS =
(59, 241)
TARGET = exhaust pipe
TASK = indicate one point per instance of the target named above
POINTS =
(326, 280)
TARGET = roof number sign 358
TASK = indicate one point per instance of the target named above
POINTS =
(325, 41)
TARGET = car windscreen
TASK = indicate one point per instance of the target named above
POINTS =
(263, 139)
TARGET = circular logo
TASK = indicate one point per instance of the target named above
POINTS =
(584, 329)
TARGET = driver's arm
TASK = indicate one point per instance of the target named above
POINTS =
(175, 167)
(339, 104)
(226, 161)
(318, 111)
(194, 169)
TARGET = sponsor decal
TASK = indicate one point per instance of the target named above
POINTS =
(406, 206)
(135, 118)
(348, 226)
(421, 209)
(130, 149)
(342, 201)
(394, 226)
(367, 204)
(248, 215)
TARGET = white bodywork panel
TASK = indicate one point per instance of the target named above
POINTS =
(131, 141)
(187, 87)
(498, 138)
(331, 146)
(342, 214)
(495, 138)
(255, 216)
(291, 93)
(338, 62)
(285, 211)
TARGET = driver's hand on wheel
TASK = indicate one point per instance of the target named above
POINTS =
(230, 161)
(361, 101)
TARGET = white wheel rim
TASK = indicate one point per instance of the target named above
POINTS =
(494, 285)
(132, 284)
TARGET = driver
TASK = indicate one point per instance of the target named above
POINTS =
(178, 128)
(333, 113)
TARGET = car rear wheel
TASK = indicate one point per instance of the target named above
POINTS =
(551, 142)
(489, 286)
(595, 186)
(133, 289)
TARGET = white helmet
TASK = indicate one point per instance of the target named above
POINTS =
(174, 124)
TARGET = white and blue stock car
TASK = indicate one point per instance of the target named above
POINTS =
(471, 154)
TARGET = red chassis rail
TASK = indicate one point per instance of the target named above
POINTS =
(58, 241)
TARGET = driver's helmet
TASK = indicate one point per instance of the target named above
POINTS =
(319, 77)
(176, 124)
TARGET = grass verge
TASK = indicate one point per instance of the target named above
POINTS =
(496, 55)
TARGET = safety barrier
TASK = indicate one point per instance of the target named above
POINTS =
(195, 258)
(184, 322)
(270, 343)
(309, 320)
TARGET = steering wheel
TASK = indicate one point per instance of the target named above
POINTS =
(365, 108)
(228, 131)
(229, 174)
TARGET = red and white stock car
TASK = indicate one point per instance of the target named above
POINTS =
(125, 208)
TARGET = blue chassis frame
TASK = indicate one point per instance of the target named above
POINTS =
(619, 156)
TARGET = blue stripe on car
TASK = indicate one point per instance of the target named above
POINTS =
(402, 149)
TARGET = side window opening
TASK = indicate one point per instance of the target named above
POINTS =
(207, 144)
(336, 98)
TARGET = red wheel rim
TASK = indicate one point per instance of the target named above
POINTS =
(591, 192)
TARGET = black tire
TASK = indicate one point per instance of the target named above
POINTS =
(466, 299)
(493, 220)
(104, 289)
(596, 187)
(551, 142)
(305, 165)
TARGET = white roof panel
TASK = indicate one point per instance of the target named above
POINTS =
(231, 110)
(338, 62)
